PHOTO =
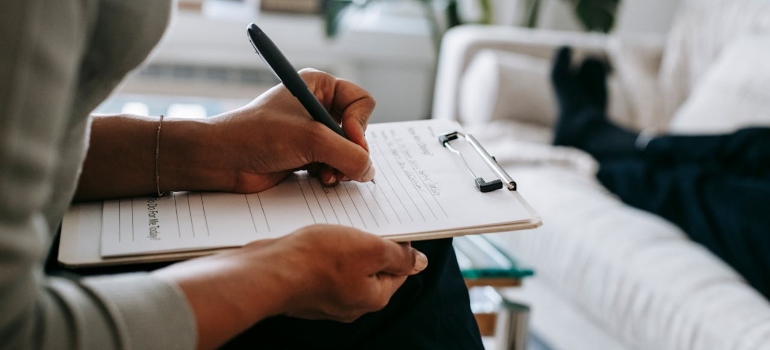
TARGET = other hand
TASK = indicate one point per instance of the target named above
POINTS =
(318, 272)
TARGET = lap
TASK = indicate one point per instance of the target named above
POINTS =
(430, 311)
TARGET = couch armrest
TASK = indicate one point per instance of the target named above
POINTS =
(461, 44)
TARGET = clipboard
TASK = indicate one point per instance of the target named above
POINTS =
(481, 184)
(422, 192)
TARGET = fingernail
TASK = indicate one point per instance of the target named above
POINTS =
(420, 262)
(369, 173)
(331, 179)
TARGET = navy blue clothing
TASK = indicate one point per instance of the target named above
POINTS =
(430, 311)
(715, 188)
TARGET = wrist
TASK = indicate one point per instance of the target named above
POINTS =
(229, 292)
(190, 158)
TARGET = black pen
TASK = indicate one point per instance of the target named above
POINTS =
(290, 78)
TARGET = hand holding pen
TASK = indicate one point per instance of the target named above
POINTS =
(289, 77)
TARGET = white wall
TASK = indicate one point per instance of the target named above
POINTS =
(634, 16)
(394, 60)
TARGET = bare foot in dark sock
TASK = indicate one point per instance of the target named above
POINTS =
(582, 99)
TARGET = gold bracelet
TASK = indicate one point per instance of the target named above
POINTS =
(157, 155)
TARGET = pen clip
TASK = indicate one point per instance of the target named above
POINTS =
(270, 68)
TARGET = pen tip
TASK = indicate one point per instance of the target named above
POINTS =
(374, 182)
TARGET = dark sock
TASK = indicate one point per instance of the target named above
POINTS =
(582, 100)
(592, 76)
(606, 140)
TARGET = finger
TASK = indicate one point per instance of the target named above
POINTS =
(401, 259)
(356, 106)
(324, 173)
(341, 154)
(328, 175)
(314, 168)
(348, 102)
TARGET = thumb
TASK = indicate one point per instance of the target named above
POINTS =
(342, 154)
(402, 260)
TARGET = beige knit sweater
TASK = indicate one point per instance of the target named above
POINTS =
(58, 61)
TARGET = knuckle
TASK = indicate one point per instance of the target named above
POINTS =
(371, 102)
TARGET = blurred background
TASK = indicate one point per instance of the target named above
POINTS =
(205, 65)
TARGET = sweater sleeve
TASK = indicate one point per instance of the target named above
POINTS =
(42, 45)
(132, 311)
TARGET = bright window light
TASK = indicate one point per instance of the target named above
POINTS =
(136, 108)
(186, 110)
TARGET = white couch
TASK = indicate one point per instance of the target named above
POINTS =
(629, 279)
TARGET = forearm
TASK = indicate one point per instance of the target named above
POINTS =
(121, 157)
(227, 295)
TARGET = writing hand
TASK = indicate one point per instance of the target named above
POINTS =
(272, 136)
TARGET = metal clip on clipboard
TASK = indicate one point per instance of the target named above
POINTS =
(481, 184)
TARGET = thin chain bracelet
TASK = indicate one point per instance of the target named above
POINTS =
(157, 155)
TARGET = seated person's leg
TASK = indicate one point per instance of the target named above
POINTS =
(583, 123)
(430, 311)
(746, 152)
(582, 98)
(713, 187)
(726, 213)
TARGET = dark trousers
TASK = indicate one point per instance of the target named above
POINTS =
(715, 188)
(430, 311)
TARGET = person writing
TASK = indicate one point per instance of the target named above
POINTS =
(59, 61)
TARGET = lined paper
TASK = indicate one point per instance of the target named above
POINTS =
(420, 187)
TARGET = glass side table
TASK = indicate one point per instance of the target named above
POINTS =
(486, 268)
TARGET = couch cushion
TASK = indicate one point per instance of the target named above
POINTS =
(504, 85)
(733, 93)
(635, 62)
(702, 29)
(633, 272)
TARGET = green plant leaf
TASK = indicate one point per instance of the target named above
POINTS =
(533, 11)
(596, 15)
(333, 11)
(486, 9)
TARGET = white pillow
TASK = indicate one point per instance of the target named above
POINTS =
(733, 93)
(702, 30)
(499, 85)
(503, 85)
